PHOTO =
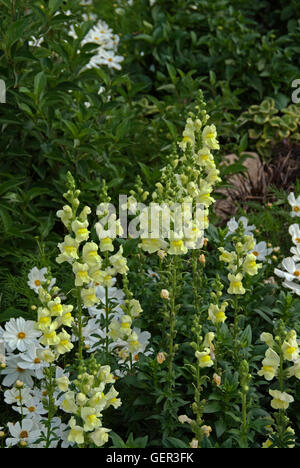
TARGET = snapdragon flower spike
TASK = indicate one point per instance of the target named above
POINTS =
(240, 262)
(186, 181)
(86, 403)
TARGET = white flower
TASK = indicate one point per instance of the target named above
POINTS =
(295, 204)
(12, 396)
(61, 431)
(33, 408)
(93, 335)
(14, 372)
(32, 362)
(36, 277)
(292, 270)
(261, 251)
(106, 57)
(233, 225)
(35, 42)
(294, 231)
(26, 430)
(293, 286)
(296, 252)
(20, 333)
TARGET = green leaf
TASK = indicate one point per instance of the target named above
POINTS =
(220, 427)
(54, 5)
(213, 407)
(40, 82)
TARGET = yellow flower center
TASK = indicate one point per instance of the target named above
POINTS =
(92, 418)
(298, 240)
(50, 335)
(44, 320)
(56, 308)
(296, 209)
(24, 435)
(177, 243)
(37, 361)
(291, 350)
(21, 335)
(37, 283)
(236, 284)
(134, 343)
(31, 409)
(268, 368)
(210, 135)
(125, 325)
(64, 342)
(82, 274)
(106, 240)
(205, 358)
(81, 231)
(220, 315)
(297, 273)
(70, 249)
(256, 254)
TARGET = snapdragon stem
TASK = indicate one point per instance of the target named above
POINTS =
(172, 323)
(195, 282)
(49, 388)
(244, 420)
(106, 322)
(79, 318)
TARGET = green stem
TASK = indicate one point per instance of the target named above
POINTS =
(79, 318)
(106, 323)
(244, 420)
(50, 388)
(172, 324)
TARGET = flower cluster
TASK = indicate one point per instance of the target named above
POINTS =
(241, 261)
(289, 351)
(53, 318)
(183, 194)
(85, 399)
(261, 250)
(123, 340)
(89, 268)
(101, 35)
(216, 310)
